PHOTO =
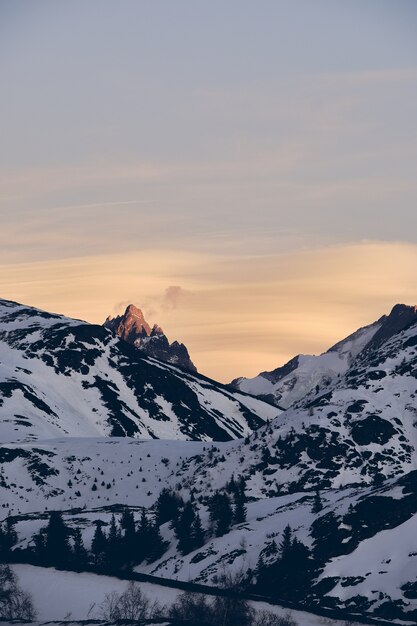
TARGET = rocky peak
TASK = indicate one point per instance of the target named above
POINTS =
(130, 326)
(401, 316)
(133, 328)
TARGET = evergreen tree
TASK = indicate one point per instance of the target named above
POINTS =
(142, 538)
(99, 547)
(317, 503)
(39, 546)
(11, 534)
(4, 551)
(286, 543)
(240, 511)
(289, 578)
(183, 529)
(197, 532)
(167, 506)
(128, 542)
(231, 486)
(79, 553)
(8, 538)
(156, 545)
(221, 514)
(56, 547)
(113, 548)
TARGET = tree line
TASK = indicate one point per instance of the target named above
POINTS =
(124, 543)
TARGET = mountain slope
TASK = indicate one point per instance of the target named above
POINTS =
(133, 328)
(359, 430)
(355, 440)
(366, 534)
(287, 385)
(60, 376)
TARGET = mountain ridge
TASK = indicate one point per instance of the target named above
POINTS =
(288, 384)
(62, 376)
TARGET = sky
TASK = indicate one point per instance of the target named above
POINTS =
(244, 172)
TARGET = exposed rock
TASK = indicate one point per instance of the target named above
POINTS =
(133, 328)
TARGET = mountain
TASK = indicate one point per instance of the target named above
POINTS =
(60, 376)
(290, 383)
(133, 328)
(359, 429)
(352, 440)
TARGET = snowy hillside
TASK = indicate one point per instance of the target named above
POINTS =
(366, 536)
(287, 385)
(354, 440)
(360, 430)
(60, 376)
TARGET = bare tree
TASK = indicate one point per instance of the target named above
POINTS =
(266, 618)
(14, 602)
(131, 604)
(193, 607)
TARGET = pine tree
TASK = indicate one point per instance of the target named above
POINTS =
(221, 513)
(79, 553)
(8, 538)
(167, 506)
(128, 542)
(183, 529)
(240, 511)
(317, 503)
(57, 551)
(156, 545)
(197, 532)
(231, 486)
(142, 538)
(113, 551)
(39, 546)
(99, 546)
(290, 576)
(286, 543)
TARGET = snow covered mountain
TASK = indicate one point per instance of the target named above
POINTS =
(290, 383)
(133, 328)
(354, 439)
(360, 429)
(60, 376)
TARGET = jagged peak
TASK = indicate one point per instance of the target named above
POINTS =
(131, 309)
(403, 309)
(133, 328)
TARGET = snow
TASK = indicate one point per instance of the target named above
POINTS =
(55, 460)
(385, 562)
(51, 396)
(62, 595)
(310, 371)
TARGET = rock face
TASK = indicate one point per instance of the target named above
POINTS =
(133, 328)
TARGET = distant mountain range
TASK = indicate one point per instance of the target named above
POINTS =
(133, 328)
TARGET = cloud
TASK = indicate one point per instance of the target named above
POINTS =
(172, 297)
(247, 313)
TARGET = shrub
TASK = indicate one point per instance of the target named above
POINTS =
(14, 603)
